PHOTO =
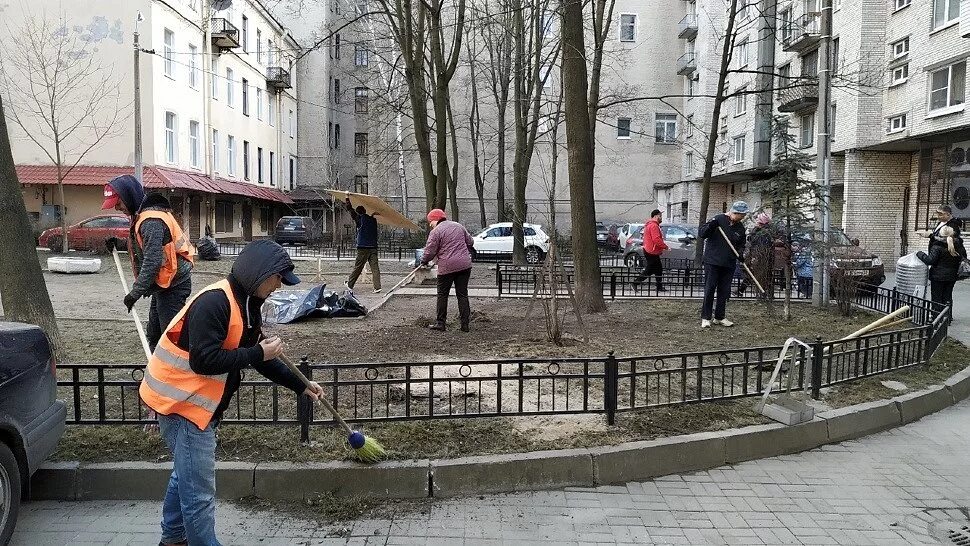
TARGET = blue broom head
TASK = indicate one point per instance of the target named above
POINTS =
(356, 440)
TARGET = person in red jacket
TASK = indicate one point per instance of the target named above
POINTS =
(653, 247)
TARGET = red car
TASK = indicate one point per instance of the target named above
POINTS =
(91, 234)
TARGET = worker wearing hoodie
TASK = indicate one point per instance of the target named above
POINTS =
(195, 371)
(161, 254)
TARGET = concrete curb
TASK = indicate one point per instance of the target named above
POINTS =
(504, 473)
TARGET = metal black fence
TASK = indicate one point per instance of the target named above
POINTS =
(388, 251)
(399, 391)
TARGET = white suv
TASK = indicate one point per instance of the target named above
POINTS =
(496, 240)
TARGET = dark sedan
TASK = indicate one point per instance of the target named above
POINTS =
(296, 230)
(31, 418)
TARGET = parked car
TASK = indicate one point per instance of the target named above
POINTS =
(496, 240)
(602, 233)
(679, 237)
(625, 231)
(31, 418)
(95, 233)
(297, 230)
(850, 257)
(613, 237)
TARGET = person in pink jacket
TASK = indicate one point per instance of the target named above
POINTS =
(450, 243)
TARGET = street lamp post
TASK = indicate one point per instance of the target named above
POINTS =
(137, 80)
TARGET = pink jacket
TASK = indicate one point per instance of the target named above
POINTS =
(451, 244)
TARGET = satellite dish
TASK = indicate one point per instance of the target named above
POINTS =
(219, 5)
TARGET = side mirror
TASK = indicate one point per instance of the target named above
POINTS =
(854, 241)
(685, 239)
(484, 235)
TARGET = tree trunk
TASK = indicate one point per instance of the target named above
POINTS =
(520, 163)
(22, 288)
(727, 51)
(453, 179)
(474, 130)
(500, 187)
(589, 290)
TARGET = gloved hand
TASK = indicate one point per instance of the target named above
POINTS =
(130, 301)
(922, 256)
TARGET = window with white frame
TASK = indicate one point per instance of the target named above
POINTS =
(628, 27)
(215, 150)
(215, 79)
(259, 46)
(361, 100)
(900, 48)
(272, 168)
(246, 159)
(691, 87)
(896, 124)
(690, 125)
(171, 141)
(948, 86)
(270, 54)
(194, 72)
(945, 11)
(739, 142)
(230, 88)
(259, 165)
(785, 23)
(245, 33)
(744, 11)
(361, 56)
(806, 132)
(272, 110)
(832, 118)
(259, 104)
(740, 102)
(900, 4)
(899, 74)
(292, 124)
(622, 127)
(245, 96)
(231, 155)
(168, 53)
(741, 52)
(689, 160)
(666, 128)
(194, 144)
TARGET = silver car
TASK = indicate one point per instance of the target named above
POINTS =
(680, 238)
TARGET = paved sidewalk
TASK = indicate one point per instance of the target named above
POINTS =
(897, 487)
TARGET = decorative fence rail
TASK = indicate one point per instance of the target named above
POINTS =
(388, 251)
(398, 391)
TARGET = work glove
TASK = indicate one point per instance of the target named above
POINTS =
(130, 301)
(922, 256)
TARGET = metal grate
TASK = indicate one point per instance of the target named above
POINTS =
(960, 537)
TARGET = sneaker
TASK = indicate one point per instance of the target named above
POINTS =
(437, 326)
(705, 323)
(723, 322)
(378, 290)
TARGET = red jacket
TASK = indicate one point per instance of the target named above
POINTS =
(653, 239)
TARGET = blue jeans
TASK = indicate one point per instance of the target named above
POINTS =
(189, 509)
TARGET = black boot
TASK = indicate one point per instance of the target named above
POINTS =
(439, 326)
(660, 287)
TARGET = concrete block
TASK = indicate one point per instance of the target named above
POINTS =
(760, 441)
(861, 420)
(513, 472)
(959, 385)
(919, 404)
(393, 479)
(235, 479)
(650, 459)
(131, 480)
(55, 481)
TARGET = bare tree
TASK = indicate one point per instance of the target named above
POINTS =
(22, 288)
(60, 95)
(497, 25)
(475, 126)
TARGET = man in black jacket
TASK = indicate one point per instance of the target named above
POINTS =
(720, 261)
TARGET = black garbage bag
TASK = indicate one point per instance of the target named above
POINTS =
(208, 249)
(286, 306)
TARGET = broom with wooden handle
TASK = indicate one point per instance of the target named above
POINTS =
(738, 256)
(134, 314)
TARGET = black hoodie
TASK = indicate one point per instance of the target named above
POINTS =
(207, 324)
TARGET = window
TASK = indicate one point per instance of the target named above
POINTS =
(945, 11)
(739, 149)
(194, 73)
(666, 128)
(832, 118)
(330, 134)
(230, 91)
(947, 86)
(741, 103)
(259, 104)
(784, 77)
(224, 220)
(272, 111)
(361, 7)
(691, 86)
(628, 27)
(167, 53)
(360, 100)
(743, 11)
(360, 55)
(689, 160)
(272, 168)
(622, 127)
(194, 145)
(336, 91)
(896, 124)
(336, 46)
(245, 96)
(741, 52)
(231, 155)
(292, 125)
(292, 171)
(529, 232)
(690, 125)
(171, 144)
(900, 48)
(259, 46)
(270, 57)
(900, 74)
(336, 136)
(807, 131)
(900, 4)
(360, 144)
(245, 33)
(266, 218)
(215, 150)
(215, 79)
(835, 55)
(245, 160)
(810, 64)
(259, 165)
(360, 184)
(786, 25)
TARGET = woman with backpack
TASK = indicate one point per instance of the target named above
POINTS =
(946, 252)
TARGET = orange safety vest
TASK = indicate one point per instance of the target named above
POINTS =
(178, 246)
(170, 386)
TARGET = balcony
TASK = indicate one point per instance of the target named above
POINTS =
(802, 34)
(801, 96)
(687, 64)
(277, 77)
(224, 34)
(687, 28)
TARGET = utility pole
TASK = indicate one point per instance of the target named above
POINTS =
(137, 79)
(822, 282)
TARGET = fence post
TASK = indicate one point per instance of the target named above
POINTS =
(498, 279)
(338, 251)
(817, 368)
(304, 409)
(611, 388)
(612, 288)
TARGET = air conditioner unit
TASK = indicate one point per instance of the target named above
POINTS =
(960, 196)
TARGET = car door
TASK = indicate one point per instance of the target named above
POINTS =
(489, 242)
(674, 237)
(83, 236)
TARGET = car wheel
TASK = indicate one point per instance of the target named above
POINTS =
(9, 493)
(533, 255)
(633, 260)
(55, 243)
